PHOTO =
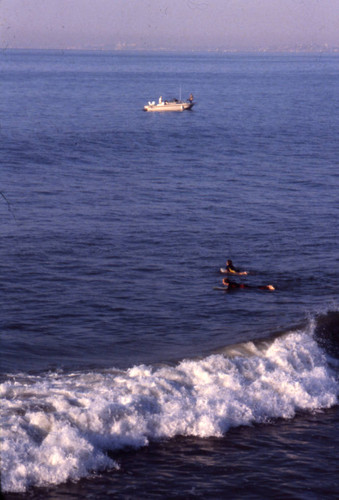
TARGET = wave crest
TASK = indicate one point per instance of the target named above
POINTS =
(58, 427)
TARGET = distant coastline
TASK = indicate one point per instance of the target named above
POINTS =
(124, 47)
(304, 50)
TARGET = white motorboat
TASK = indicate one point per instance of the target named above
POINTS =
(173, 105)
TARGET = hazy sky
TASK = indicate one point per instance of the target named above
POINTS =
(171, 24)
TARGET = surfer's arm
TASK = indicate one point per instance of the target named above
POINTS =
(232, 270)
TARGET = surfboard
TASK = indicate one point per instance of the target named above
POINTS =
(220, 288)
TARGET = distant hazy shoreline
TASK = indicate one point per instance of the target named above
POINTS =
(301, 51)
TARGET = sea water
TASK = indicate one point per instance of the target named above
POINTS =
(124, 373)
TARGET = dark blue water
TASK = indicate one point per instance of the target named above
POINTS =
(115, 223)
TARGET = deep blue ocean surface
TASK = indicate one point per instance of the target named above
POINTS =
(124, 373)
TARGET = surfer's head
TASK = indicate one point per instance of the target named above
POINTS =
(225, 282)
(229, 263)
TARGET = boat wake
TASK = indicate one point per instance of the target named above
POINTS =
(58, 427)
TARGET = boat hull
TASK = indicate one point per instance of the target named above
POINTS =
(169, 106)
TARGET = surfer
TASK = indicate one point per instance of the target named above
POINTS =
(231, 285)
(232, 270)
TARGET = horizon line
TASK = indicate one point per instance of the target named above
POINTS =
(263, 50)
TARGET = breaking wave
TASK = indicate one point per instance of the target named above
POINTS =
(58, 427)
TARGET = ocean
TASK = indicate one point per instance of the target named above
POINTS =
(124, 372)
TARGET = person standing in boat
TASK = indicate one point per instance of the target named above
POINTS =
(191, 98)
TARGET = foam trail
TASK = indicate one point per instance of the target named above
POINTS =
(57, 427)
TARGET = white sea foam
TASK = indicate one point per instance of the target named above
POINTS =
(57, 427)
